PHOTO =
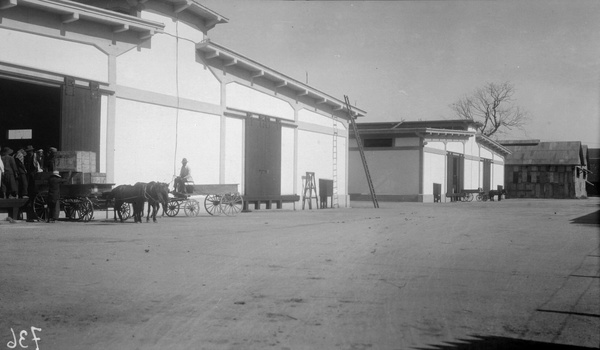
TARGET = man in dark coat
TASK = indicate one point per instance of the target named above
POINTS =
(54, 183)
(50, 160)
(32, 169)
(9, 179)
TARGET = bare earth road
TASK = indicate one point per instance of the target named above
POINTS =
(504, 275)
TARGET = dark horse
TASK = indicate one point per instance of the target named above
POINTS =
(128, 194)
(156, 193)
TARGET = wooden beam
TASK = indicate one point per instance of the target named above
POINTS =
(4, 4)
(145, 35)
(121, 28)
(214, 22)
(182, 6)
(72, 17)
(303, 93)
(215, 54)
(258, 74)
(282, 84)
(322, 101)
(231, 62)
(338, 108)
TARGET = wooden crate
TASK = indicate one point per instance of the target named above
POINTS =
(79, 161)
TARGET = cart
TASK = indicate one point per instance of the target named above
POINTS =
(77, 201)
(218, 198)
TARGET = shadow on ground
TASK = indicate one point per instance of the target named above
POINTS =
(499, 343)
(590, 219)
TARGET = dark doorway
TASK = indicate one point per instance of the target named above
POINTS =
(33, 108)
(487, 175)
(263, 157)
(455, 173)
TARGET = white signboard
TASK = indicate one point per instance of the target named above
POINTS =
(20, 134)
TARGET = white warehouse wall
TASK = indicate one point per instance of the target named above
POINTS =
(53, 55)
(246, 99)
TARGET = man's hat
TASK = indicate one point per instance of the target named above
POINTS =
(56, 173)
(184, 160)
(29, 148)
(7, 150)
(40, 151)
(52, 149)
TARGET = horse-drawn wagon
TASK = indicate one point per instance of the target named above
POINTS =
(78, 201)
(217, 199)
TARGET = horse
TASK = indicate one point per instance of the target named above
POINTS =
(128, 194)
(156, 193)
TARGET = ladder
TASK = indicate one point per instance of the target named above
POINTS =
(362, 153)
(334, 195)
(310, 188)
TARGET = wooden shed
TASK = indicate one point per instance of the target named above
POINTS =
(537, 169)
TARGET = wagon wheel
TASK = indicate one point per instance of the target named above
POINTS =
(86, 209)
(69, 206)
(479, 197)
(172, 208)
(469, 197)
(212, 204)
(40, 206)
(232, 203)
(125, 211)
(191, 207)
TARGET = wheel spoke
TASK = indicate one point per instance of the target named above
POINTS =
(212, 204)
(191, 207)
(40, 205)
(232, 204)
(172, 207)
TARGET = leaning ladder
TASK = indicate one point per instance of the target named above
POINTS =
(334, 196)
(362, 153)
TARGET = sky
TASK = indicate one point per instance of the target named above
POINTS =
(410, 60)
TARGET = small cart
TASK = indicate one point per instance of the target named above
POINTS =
(218, 198)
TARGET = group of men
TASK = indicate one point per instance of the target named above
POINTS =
(18, 170)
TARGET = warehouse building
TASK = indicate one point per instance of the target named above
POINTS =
(425, 161)
(141, 85)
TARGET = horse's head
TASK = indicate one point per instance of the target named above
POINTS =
(162, 191)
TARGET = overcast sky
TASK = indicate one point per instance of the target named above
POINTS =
(411, 59)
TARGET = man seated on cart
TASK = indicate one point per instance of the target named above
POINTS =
(185, 175)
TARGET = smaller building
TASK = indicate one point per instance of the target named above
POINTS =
(537, 169)
(424, 161)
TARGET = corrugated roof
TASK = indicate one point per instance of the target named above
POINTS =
(545, 153)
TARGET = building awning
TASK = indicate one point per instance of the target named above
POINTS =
(228, 58)
(71, 11)
(431, 134)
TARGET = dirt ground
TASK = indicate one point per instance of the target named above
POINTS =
(504, 275)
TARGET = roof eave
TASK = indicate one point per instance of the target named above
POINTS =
(71, 11)
(495, 146)
(228, 57)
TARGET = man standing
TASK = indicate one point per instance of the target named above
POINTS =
(9, 179)
(54, 182)
(185, 175)
(32, 167)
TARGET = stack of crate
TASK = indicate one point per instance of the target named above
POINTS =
(81, 165)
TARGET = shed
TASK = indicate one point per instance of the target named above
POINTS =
(537, 169)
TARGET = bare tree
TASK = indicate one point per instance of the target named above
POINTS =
(492, 106)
